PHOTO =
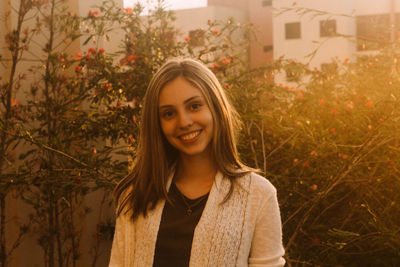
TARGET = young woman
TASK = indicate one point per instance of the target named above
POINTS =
(189, 201)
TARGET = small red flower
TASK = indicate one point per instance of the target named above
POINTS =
(14, 102)
(346, 59)
(300, 95)
(369, 104)
(94, 150)
(92, 13)
(78, 55)
(314, 187)
(305, 164)
(215, 65)
(129, 10)
(227, 86)
(225, 60)
(101, 50)
(187, 39)
(78, 69)
(315, 241)
(216, 32)
(334, 111)
(107, 86)
(92, 50)
(332, 130)
(350, 105)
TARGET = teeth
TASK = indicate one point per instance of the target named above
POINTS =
(190, 136)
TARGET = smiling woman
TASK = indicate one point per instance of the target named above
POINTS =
(186, 120)
(189, 200)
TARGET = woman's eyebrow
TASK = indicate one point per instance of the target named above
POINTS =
(184, 102)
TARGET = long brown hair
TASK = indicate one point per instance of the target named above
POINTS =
(141, 190)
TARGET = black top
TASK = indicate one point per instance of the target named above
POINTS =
(175, 236)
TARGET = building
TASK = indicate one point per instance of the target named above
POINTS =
(315, 31)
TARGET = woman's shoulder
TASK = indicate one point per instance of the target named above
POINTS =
(260, 184)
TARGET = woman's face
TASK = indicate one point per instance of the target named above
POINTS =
(185, 117)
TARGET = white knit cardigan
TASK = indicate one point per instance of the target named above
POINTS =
(244, 231)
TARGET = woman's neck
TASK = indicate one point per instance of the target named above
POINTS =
(195, 175)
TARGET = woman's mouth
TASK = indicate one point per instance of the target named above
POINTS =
(190, 137)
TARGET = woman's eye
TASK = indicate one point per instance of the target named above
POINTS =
(195, 106)
(167, 114)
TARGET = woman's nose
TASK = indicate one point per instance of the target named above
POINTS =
(185, 120)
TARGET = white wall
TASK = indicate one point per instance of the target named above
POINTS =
(310, 40)
(189, 19)
(343, 11)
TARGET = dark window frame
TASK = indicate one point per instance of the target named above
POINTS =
(266, 3)
(373, 31)
(292, 30)
(268, 48)
(327, 28)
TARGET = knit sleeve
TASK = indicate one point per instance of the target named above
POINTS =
(117, 250)
(266, 247)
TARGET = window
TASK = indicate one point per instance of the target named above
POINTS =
(268, 48)
(373, 31)
(267, 3)
(292, 30)
(294, 72)
(327, 28)
(196, 37)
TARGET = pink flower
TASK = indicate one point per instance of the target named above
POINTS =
(92, 13)
(215, 65)
(350, 105)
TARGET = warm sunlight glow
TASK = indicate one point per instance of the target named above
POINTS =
(168, 4)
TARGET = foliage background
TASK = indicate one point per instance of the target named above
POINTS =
(329, 141)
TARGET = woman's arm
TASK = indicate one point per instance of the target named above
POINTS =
(118, 246)
(266, 247)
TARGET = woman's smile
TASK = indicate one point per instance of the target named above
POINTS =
(190, 137)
